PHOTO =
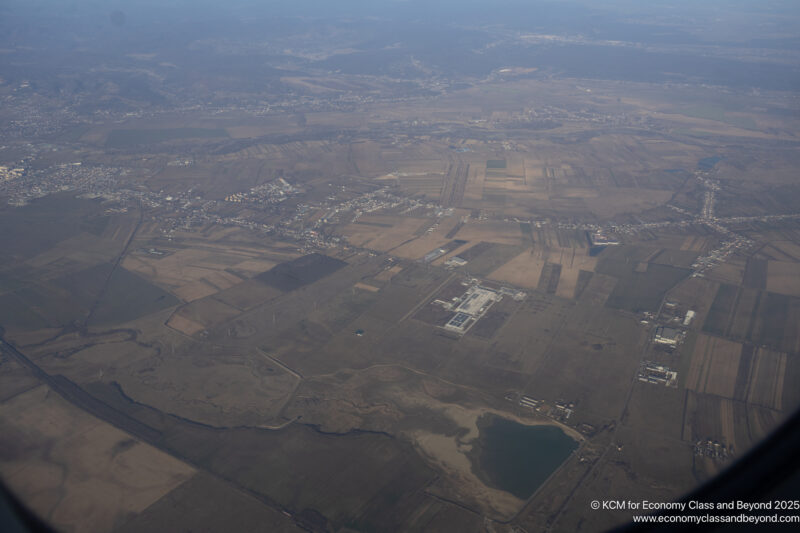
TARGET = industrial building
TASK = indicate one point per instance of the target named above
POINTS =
(455, 261)
(476, 300)
(470, 307)
(458, 322)
(598, 238)
(434, 255)
(527, 401)
(657, 374)
(668, 336)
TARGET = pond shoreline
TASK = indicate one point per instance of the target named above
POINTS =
(456, 455)
(519, 458)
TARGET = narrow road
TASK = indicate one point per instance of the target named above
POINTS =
(113, 269)
(424, 300)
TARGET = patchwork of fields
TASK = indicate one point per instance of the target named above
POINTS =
(311, 316)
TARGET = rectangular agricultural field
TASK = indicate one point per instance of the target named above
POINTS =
(715, 366)
(719, 315)
(783, 277)
(767, 379)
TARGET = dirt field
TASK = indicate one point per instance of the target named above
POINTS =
(194, 290)
(728, 272)
(612, 203)
(366, 287)
(523, 271)
(218, 389)
(392, 231)
(710, 417)
(389, 273)
(696, 243)
(255, 266)
(190, 274)
(570, 272)
(783, 278)
(184, 325)
(232, 511)
(300, 272)
(208, 312)
(767, 379)
(744, 313)
(598, 289)
(417, 248)
(727, 421)
(247, 294)
(78, 473)
(789, 250)
(490, 231)
(714, 366)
